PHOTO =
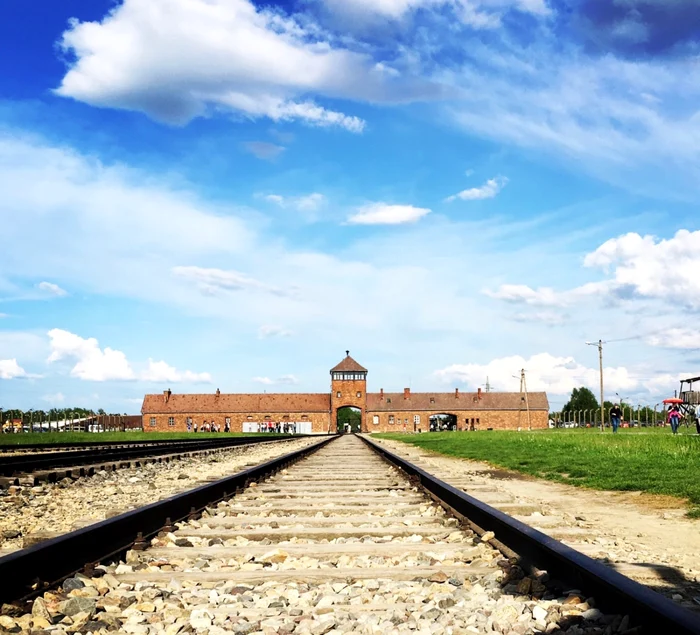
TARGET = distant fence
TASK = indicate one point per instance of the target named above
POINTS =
(31, 422)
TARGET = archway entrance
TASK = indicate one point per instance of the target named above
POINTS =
(348, 419)
(442, 422)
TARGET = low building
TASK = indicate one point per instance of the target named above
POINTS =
(316, 413)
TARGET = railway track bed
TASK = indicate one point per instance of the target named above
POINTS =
(339, 542)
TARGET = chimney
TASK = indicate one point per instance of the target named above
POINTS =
(166, 395)
(381, 394)
(478, 393)
(406, 393)
(456, 393)
(218, 392)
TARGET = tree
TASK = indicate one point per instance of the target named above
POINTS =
(352, 416)
(581, 399)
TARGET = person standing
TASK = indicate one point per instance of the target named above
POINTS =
(674, 418)
(615, 416)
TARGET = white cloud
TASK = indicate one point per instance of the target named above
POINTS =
(213, 281)
(263, 149)
(162, 372)
(4, 315)
(488, 190)
(307, 203)
(270, 330)
(556, 375)
(54, 399)
(522, 294)
(384, 214)
(186, 58)
(678, 338)
(284, 379)
(52, 289)
(647, 267)
(10, 369)
(91, 362)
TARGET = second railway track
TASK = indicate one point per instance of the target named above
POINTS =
(339, 542)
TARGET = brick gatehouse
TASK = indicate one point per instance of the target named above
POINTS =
(317, 412)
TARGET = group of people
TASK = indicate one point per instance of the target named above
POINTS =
(674, 417)
(208, 427)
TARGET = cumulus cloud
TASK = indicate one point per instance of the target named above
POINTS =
(284, 379)
(270, 330)
(384, 214)
(544, 372)
(213, 281)
(163, 372)
(10, 369)
(91, 362)
(653, 268)
(55, 398)
(263, 149)
(52, 289)
(185, 58)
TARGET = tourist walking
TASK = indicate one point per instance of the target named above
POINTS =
(697, 418)
(674, 418)
(615, 416)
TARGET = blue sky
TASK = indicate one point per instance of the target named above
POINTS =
(203, 194)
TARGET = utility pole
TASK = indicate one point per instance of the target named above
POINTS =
(523, 389)
(599, 344)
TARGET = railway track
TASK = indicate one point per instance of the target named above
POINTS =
(55, 465)
(332, 541)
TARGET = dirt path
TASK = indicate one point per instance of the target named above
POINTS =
(645, 537)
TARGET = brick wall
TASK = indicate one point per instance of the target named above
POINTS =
(319, 420)
(349, 391)
(482, 419)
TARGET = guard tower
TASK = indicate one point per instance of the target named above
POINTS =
(690, 395)
(349, 388)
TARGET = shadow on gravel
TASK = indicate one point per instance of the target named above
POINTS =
(668, 581)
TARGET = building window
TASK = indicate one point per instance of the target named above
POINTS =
(268, 417)
(391, 420)
(227, 420)
(249, 417)
(358, 394)
(152, 422)
(432, 400)
(477, 421)
(405, 421)
(171, 421)
(338, 395)
(416, 420)
(375, 420)
(188, 421)
(388, 399)
(304, 417)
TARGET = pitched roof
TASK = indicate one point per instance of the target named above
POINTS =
(349, 365)
(447, 402)
(260, 403)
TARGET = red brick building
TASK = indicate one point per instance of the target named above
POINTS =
(317, 412)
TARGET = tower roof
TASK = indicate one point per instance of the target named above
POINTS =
(348, 365)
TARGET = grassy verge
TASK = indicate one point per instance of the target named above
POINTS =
(648, 460)
(92, 437)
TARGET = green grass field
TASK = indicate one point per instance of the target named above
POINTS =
(92, 437)
(647, 460)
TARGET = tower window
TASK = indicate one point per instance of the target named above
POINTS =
(338, 395)
(358, 394)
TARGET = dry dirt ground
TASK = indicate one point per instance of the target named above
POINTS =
(645, 537)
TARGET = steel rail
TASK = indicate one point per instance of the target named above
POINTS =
(613, 592)
(194, 438)
(26, 573)
(27, 463)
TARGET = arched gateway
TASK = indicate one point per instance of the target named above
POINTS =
(349, 389)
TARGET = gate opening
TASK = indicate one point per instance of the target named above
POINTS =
(348, 419)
